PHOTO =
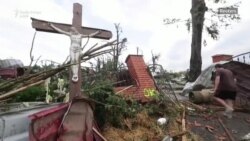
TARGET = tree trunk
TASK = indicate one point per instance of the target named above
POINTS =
(198, 12)
(116, 50)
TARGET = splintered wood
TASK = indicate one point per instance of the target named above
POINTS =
(224, 127)
(183, 121)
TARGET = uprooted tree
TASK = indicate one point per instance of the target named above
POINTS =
(197, 23)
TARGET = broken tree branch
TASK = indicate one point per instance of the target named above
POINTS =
(14, 85)
(183, 125)
(124, 89)
(6, 95)
(85, 44)
(198, 107)
(37, 59)
(31, 57)
(99, 134)
(26, 80)
(88, 37)
(228, 133)
(92, 47)
(66, 60)
(236, 109)
(98, 48)
(179, 134)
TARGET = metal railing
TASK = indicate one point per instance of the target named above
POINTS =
(243, 58)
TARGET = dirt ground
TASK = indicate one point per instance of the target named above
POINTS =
(209, 128)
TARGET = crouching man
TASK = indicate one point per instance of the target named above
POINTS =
(225, 89)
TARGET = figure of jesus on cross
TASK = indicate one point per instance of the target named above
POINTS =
(76, 33)
(75, 47)
(84, 123)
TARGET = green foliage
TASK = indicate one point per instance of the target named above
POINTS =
(116, 112)
(152, 109)
(34, 93)
(111, 108)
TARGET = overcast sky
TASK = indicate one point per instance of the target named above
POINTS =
(141, 22)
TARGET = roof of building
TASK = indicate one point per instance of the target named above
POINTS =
(11, 63)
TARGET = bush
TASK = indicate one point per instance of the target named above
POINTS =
(35, 93)
(113, 108)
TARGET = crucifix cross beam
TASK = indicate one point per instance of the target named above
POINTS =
(76, 32)
(42, 25)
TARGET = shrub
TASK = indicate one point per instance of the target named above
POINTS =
(35, 93)
(111, 108)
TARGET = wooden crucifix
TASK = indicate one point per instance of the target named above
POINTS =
(76, 32)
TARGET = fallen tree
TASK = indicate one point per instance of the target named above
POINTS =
(11, 87)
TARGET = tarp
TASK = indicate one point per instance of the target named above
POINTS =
(203, 81)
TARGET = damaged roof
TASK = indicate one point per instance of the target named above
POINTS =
(11, 63)
(242, 72)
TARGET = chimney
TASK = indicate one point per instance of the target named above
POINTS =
(222, 57)
(138, 71)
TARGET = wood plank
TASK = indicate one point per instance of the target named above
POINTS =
(77, 16)
(42, 25)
